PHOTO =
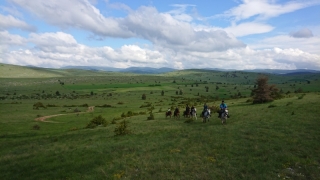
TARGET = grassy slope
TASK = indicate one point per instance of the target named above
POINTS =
(14, 71)
(257, 143)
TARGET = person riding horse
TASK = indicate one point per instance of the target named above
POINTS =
(223, 107)
(176, 111)
(205, 108)
(192, 110)
(187, 112)
(168, 113)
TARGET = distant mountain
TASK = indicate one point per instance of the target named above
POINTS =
(137, 70)
(93, 68)
(281, 71)
(148, 70)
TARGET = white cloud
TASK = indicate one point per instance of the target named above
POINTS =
(176, 41)
(76, 14)
(248, 28)
(310, 45)
(164, 30)
(8, 39)
(65, 50)
(8, 22)
(265, 9)
(61, 49)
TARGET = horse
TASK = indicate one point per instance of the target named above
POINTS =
(176, 114)
(194, 113)
(186, 114)
(206, 116)
(224, 116)
(168, 113)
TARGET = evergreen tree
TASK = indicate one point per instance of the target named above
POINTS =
(263, 92)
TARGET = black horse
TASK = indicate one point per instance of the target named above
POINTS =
(168, 113)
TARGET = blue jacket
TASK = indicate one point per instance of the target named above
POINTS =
(223, 106)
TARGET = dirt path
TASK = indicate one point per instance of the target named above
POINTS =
(43, 118)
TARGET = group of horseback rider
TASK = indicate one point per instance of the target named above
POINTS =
(223, 106)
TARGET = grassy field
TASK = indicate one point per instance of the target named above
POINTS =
(277, 140)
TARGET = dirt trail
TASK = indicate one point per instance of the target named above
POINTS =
(43, 118)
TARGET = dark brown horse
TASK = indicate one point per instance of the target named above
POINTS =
(176, 114)
(168, 113)
(187, 114)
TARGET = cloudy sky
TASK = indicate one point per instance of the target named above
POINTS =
(230, 34)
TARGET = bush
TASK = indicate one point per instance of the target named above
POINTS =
(122, 129)
(37, 105)
(289, 103)
(52, 105)
(214, 109)
(151, 117)
(302, 95)
(96, 121)
(144, 97)
(272, 106)
(105, 106)
(36, 127)
(113, 121)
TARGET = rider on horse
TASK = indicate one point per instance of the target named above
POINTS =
(176, 110)
(187, 113)
(205, 108)
(223, 107)
(192, 109)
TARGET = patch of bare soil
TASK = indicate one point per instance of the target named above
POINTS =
(43, 118)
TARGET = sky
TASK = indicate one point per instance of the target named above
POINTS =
(228, 34)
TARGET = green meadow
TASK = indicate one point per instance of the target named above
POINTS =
(276, 140)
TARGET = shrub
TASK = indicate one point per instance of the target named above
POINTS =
(249, 100)
(37, 105)
(113, 121)
(36, 127)
(122, 129)
(289, 103)
(123, 115)
(302, 95)
(144, 97)
(105, 106)
(52, 105)
(74, 129)
(272, 106)
(151, 117)
(96, 121)
(214, 109)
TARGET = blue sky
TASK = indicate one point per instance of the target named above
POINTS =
(231, 34)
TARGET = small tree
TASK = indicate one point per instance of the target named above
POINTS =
(162, 93)
(264, 92)
(180, 92)
(144, 97)
(122, 129)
